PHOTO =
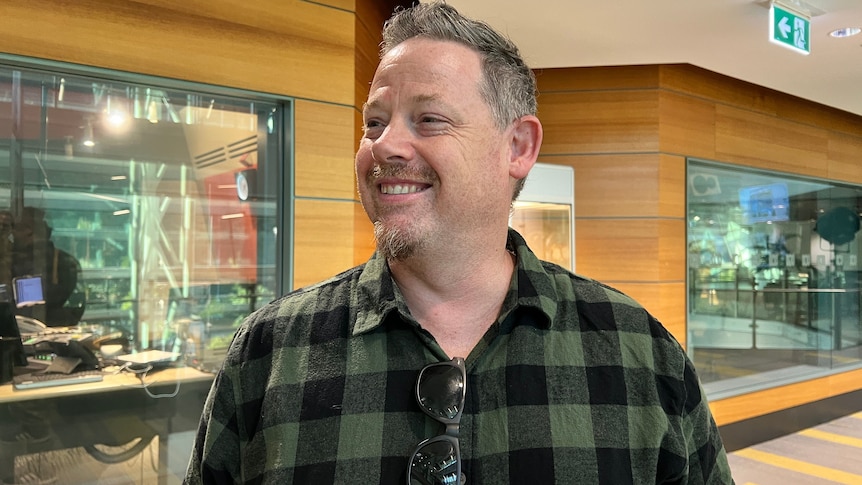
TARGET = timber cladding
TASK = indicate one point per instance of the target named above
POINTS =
(627, 132)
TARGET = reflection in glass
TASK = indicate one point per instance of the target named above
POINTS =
(122, 202)
(547, 230)
(435, 463)
(544, 213)
(774, 292)
(138, 185)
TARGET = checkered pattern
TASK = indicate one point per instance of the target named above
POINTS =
(574, 384)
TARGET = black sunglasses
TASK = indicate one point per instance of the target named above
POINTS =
(440, 392)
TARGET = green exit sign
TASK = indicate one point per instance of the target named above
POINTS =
(790, 29)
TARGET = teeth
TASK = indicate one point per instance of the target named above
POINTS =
(399, 189)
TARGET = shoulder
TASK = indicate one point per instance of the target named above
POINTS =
(66, 259)
(612, 320)
(293, 320)
(601, 306)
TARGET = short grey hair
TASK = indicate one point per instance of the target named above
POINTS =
(509, 86)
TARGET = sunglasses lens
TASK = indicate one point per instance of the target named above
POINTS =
(435, 463)
(441, 390)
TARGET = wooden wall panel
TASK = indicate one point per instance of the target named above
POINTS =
(597, 79)
(641, 250)
(367, 49)
(845, 158)
(604, 184)
(687, 125)
(601, 192)
(714, 87)
(751, 405)
(288, 47)
(720, 89)
(766, 142)
(324, 231)
(349, 5)
(324, 135)
(599, 122)
(672, 185)
(809, 113)
(370, 16)
(363, 235)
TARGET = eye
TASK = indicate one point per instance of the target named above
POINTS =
(430, 124)
(430, 119)
(373, 128)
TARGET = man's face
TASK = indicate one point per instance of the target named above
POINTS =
(432, 165)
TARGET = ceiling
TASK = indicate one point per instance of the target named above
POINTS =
(730, 37)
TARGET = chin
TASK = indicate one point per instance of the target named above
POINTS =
(395, 243)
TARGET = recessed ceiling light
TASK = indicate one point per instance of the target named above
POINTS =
(845, 32)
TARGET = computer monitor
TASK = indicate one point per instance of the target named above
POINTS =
(28, 291)
(765, 203)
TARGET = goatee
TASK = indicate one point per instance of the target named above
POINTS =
(393, 243)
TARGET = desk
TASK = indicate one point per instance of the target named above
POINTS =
(113, 412)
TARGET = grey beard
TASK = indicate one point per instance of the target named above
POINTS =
(393, 244)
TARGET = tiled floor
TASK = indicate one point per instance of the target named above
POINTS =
(826, 454)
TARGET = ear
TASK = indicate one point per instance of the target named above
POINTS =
(526, 142)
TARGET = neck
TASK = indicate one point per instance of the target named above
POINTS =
(456, 295)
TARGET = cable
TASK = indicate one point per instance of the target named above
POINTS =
(159, 396)
(113, 458)
(141, 372)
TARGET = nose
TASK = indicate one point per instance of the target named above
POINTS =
(394, 143)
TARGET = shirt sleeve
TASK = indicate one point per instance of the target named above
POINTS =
(215, 457)
(707, 458)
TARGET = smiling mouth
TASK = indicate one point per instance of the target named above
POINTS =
(397, 189)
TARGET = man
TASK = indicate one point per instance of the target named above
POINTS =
(555, 378)
(34, 253)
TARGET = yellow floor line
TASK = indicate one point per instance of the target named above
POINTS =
(832, 437)
(800, 466)
(857, 415)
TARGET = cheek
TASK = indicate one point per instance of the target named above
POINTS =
(363, 161)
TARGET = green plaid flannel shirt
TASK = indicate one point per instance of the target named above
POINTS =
(575, 383)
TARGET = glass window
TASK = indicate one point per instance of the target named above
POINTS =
(138, 224)
(774, 286)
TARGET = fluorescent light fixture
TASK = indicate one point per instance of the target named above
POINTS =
(119, 177)
(845, 32)
(105, 197)
(88, 140)
(236, 215)
(153, 112)
(122, 212)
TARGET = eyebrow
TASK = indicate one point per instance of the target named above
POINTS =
(418, 99)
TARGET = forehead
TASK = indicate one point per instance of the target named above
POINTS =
(438, 68)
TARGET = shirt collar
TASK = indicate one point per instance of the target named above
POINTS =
(376, 294)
